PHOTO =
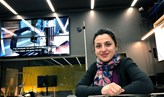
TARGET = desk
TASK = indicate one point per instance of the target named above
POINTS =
(133, 95)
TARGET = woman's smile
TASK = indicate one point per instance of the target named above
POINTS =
(104, 55)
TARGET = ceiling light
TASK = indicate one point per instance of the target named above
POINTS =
(57, 62)
(133, 3)
(68, 62)
(92, 4)
(9, 7)
(78, 61)
(154, 30)
(157, 25)
(148, 34)
(50, 5)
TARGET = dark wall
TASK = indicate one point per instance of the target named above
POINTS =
(128, 26)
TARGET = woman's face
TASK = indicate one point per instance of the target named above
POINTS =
(105, 47)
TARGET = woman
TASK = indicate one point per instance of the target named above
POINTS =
(110, 74)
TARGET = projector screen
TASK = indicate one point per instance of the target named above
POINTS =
(35, 37)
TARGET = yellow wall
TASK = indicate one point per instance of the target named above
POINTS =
(67, 77)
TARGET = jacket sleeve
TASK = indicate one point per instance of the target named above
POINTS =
(85, 87)
(140, 82)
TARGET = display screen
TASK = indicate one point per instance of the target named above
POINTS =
(47, 81)
(35, 37)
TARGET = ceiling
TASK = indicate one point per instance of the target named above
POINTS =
(30, 6)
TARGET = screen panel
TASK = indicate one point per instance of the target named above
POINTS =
(35, 37)
(47, 81)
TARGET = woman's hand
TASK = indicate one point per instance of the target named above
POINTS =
(112, 89)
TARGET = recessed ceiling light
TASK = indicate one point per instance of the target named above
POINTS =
(133, 3)
(50, 5)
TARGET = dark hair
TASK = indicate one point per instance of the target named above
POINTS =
(105, 31)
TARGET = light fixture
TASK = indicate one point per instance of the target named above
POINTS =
(50, 5)
(68, 62)
(152, 31)
(9, 7)
(133, 3)
(92, 4)
(78, 61)
(158, 24)
(57, 62)
(141, 9)
(148, 34)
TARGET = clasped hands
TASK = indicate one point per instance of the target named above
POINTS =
(112, 89)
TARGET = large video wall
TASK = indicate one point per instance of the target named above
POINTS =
(35, 37)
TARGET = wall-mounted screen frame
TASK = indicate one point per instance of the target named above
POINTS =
(35, 37)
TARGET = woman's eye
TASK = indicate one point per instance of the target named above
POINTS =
(98, 46)
(108, 44)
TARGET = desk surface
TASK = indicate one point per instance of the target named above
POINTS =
(133, 95)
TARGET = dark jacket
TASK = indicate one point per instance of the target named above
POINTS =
(131, 78)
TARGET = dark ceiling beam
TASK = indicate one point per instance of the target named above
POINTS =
(159, 4)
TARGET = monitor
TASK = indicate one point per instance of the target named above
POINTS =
(35, 37)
